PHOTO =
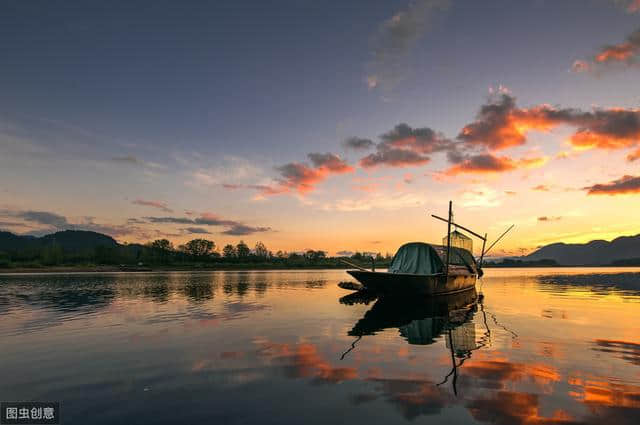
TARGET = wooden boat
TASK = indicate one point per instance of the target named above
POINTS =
(428, 269)
(462, 274)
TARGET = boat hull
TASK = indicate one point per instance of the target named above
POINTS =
(398, 283)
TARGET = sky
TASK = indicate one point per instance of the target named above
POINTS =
(329, 125)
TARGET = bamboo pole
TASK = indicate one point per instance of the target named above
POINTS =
(462, 227)
(353, 265)
(448, 240)
(484, 242)
(497, 240)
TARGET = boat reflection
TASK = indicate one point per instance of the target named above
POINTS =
(422, 321)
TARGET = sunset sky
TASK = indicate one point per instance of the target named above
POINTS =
(321, 125)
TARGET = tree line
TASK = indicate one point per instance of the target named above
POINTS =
(162, 252)
(204, 249)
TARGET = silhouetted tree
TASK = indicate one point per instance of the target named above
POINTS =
(52, 254)
(106, 255)
(199, 247)
(315, 255)
(242, 250)
(162, 249)
(5, 259)
(162, 244)
(261, 250)
(229, 251)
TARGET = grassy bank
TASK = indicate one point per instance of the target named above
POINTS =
(89, 268)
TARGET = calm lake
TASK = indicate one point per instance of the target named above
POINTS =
(544, 346)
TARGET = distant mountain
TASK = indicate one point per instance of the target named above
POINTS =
(13, 242)
(596, 252)
(68, 240)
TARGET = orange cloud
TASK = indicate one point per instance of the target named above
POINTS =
(633, 156)
(532, 162)
(624, 185)
(488, 163)
(301, 177)
(394, 158)
(485, 163)
(616, 53)
(500, 124)
(609, 129)
(624, 53)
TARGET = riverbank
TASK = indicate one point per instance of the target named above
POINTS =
(221, 267)
(173, 268)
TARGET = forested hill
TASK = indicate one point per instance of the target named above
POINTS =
(597, 252)
(67, 240)
(68, 246)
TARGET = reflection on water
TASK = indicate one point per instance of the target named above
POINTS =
(291, 347)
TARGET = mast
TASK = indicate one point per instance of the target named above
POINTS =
(448, 240)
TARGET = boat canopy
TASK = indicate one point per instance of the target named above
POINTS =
(423, 258)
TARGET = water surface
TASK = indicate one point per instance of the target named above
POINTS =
(283, 347)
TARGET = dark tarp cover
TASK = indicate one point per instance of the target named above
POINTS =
(423, 258)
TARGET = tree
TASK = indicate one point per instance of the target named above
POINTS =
(162, 244)
(229, 251)
(320, 255)
(52, 254)
(315, 255)
(5, 259)
(199, 247)
(106, 254)
(242, 250)
(261, 250)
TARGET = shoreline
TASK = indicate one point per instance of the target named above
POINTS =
(230, 267)
(113, 269)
